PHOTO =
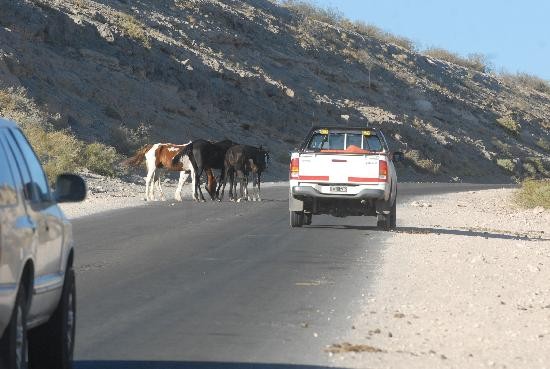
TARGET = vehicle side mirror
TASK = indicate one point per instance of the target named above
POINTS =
(398, 156)
(69, 188)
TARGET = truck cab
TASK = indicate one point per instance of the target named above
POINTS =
(343, 171)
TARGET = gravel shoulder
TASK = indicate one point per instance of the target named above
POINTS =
(464, 284)
(107, 194)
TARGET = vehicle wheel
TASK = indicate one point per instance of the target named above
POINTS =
(307, 218)
(14, 345)
(393, 215)
(296, 219)
(383, 222)
(51, 345)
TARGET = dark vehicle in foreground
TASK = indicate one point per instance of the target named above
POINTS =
(343, 171)
(37, 280)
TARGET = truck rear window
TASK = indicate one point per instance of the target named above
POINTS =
(344, 141)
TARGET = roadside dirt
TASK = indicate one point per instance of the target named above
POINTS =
(106, 194)
(464, 285)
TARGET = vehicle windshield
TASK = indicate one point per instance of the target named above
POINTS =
(344, 141)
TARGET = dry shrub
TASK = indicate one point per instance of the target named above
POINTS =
(133, 29)
(477, 62)
(534, 193)
(526, 80)
(308, 10)
(127, 139)
(58, 151)
(420, 161)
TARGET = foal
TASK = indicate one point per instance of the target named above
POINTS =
(240, 160)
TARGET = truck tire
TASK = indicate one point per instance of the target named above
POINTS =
(383, 222)
(14, 344)
(393, 215)
(51, 345)
(296, 219)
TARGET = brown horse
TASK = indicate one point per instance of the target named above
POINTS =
(161, 156)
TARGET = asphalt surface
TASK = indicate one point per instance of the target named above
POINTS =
(222, 285)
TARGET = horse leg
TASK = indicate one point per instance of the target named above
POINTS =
(211, 184)
(222, 182)
(198, 185)
(183, 178)
(259, 198)
(149, 184)
(159, 186)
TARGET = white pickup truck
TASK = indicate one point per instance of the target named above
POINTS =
(343, 171)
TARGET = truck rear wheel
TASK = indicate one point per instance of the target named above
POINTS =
(307, 218)
(296, 219)
(388, 221)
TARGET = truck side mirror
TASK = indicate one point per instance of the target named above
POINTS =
(398, 156)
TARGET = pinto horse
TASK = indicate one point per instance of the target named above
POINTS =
(205, 156)
(160, 156)
(239, 161)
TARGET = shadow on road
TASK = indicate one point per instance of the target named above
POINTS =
(469, 233)
(439, 231)
(185, 365)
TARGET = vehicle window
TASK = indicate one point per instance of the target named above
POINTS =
(354, 139)
(8, 193)
(373, 143)
(39, 181)
(35, 187)
(317, 141)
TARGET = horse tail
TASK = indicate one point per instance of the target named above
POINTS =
(138, 157)
(187, 150)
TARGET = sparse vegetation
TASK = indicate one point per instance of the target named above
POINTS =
(509, 124)
(477, 62)
(133, 29)
(526, 80)
(59, 151)
(127, 139)
(334, 17)
(534, 193)
(543, 144)
(506, 164)
(426, 164)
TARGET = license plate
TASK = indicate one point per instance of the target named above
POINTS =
(338, 189)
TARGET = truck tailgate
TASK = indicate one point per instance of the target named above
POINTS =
(340, 168)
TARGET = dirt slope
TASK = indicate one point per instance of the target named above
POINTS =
(257, 72)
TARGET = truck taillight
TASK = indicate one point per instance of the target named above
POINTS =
(294, 168)
(383, 170)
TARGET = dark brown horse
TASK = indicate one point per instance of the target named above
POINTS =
(240, 160)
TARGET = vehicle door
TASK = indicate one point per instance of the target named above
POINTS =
(43, 211)
(17, 231)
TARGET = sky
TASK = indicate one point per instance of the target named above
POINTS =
(514, 34)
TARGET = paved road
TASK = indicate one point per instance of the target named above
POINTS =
(221, 285)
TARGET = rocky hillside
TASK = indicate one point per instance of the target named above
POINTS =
(116, 71)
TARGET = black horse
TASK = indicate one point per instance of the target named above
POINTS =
(206, 155)
(240, 160)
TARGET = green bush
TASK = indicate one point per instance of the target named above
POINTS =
(543, 144)
(509, 124)
(506, 164)
(534, 193)
(58, 151)
(100, 159)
